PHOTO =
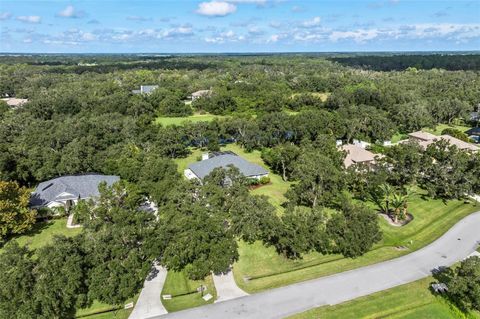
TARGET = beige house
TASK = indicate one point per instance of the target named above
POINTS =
(424, 139)
(199, 94)
(14, 102)
(357, 155)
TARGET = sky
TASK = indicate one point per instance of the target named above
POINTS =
(210, 26)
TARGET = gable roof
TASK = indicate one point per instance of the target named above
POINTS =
(201, 93)
(459, 143)
(148, 88)
(205, 167)
(356, 154)
(14, 102)
(473, 131)
(69, 187)
(424, 136)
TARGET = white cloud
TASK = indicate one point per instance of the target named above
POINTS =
(216, 8)
(227, 36)
(359, 36)
(70, 12)
(138, 18)
(273, 38)
(315, 22)
(87, 36)
(30, 19)
(5, 16)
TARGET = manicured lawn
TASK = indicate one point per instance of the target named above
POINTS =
(266, 269)
(184, 291)
(276, 189)
(42, 233)
(412, 300)
(100, 310)
(438, 130)
(165, 121)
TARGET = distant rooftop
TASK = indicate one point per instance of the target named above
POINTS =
(14, 102)
(424, 139)
(424, 136)
(145, 89)
(224, 159)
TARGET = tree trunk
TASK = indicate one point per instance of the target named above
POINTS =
(284, 175)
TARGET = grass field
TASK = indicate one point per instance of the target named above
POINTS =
(165, 121)
(100, 310)
(266, 269)
(410, 301)
(438, 130)
(42, 233)
(183, 291)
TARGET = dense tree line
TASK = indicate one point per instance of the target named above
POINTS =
(449, 62)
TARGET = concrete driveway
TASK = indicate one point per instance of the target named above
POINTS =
(149, 303)
(459, 242)
(226, 287)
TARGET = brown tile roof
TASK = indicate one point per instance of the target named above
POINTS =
(356, 154)
(424, 136)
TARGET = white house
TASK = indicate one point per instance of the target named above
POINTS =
(199, 94)
(145, 89)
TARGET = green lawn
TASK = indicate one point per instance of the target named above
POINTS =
(410, 301)
(42, 233)
(184, 291)
(266, 269)
(440, 127)
(99, 310)
(165, 121)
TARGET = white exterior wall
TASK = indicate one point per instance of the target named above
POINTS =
(258, 176)
(189, 174)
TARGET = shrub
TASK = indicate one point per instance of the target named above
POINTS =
(264, 180)
(457, 134)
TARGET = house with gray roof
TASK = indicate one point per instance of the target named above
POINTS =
(68, 190)
(214, 160)
(145, 89)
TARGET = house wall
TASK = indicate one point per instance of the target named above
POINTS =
(258, 176)
(189, 174)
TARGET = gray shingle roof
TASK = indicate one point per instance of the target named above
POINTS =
(69, 187)
(148, 88)
(205, 167)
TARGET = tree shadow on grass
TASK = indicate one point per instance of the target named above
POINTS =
(37, 228)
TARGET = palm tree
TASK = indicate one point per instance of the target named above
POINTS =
(399, 204)
(387, 191)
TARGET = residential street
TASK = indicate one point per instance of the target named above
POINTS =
(455, 245)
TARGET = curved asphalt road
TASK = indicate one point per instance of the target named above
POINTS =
(455, 245)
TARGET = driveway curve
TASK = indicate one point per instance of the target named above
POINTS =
(456, 244)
